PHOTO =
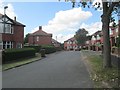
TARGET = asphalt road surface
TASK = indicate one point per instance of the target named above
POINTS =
(59, 70)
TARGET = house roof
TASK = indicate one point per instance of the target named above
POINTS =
(41, 32)
(97, 33)
(53, 40)
(71, 39)
(14, 22)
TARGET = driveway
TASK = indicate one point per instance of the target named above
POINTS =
(59, 70)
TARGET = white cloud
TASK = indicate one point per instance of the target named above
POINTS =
(61, 37)
(9, 11)
(66, 22)
(93, 27)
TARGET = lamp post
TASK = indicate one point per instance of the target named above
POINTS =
(4, 17)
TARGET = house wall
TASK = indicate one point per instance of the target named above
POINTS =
(65, 45)
(18, 35)
(68, 46)
(43, 40)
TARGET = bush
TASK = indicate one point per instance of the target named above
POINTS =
(49, 49)
(37, 48)
(15, 54)
(58, 48)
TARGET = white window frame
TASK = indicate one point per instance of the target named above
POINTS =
(9, 30)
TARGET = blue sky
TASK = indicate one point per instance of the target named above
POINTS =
(53, 16)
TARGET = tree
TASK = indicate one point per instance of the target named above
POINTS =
(108, 6)
(26, 38)
(81, 36)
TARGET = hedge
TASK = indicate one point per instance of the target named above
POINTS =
(49, 49)
(15, 54)
(37, 48)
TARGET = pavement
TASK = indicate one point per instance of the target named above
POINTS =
(59, 70)
(0, 57)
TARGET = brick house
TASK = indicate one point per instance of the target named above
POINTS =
(113, 35)
(40, 38)
(96, 42)
(71, 44)
(12, 36)
(55, 43)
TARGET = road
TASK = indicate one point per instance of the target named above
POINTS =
(59, 70)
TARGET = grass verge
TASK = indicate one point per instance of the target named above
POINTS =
(102, 77)
(20, 62)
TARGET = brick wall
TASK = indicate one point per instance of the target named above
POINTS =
(18, 35)
(43, 40)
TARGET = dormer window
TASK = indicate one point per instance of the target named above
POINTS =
(93, 38)
(98, 37)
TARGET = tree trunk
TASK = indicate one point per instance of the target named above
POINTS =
(106, 38)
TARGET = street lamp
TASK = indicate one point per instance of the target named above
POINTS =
(4, 17)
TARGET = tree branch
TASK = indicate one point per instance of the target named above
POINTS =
(111, 8)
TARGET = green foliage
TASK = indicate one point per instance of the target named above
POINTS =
(15, 54)
(49, 49)
(81, 36)
(37, 48)
(26, 38)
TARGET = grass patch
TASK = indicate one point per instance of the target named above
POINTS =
(20, 62)
(102, 77)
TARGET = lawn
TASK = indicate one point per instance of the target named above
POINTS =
(102, 77)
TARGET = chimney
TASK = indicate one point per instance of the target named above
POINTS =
(14, 18)
(40, 27)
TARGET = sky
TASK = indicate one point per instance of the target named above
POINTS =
(58, 18)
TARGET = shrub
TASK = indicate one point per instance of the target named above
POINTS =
(58, 48)
(15, 54)
(49, 49)
(37, 48)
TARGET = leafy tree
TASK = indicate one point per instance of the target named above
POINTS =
(81, 36)
(108, 7)
(26, 38)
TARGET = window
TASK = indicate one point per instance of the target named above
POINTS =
(19, 45)
(68, 42)
(1, 44)
(98, 37)
(111, 31)
(117, 30)
(6, 45)
(37, 38)
(93, 38)
(8, 28)
(1, 28)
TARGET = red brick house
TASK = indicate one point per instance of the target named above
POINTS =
(12, 36)
(40, 38)
(96, 42)
(113, 32)
(71, 44)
